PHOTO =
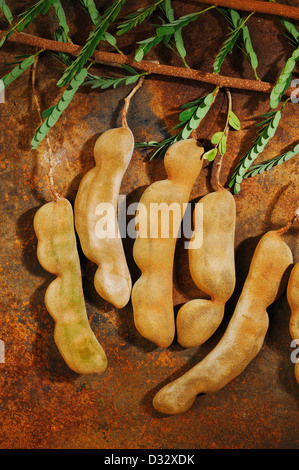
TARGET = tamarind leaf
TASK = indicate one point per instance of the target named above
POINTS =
(234, 121)
(222, 145)
(6, 11)
(210, 155)
(226, 49)
(264, 135)
(136, 18)
(18, 70)
(235, 21)
(293, 33)
(54, 113)
(284, 80)
(216, 138)
(180, 43)
(146, 46)
(271, 163)
(60, 15)
(93, 39)
(90, 8)
(27, 17)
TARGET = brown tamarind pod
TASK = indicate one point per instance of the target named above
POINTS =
(212, 267)
(293, 299)
(112, 152)
(152, 294)
(244, 335)
(64, 299)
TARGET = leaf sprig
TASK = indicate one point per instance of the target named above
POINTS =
(6, 11)
(21, 67)
(137, 17)
(238, 25)
(235, 21)
(53, 114)
(106, 82)
(190, 118)
(27, 17)
(271, 163)
(267, 130)
(93, 39)
(285, 76)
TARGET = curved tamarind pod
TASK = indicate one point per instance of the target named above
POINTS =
(113, 151)
(244, 335)
(212, 268)
(152, 293)
(293, 299)
(64, 299)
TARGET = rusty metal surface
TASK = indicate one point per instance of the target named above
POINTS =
(43, 404)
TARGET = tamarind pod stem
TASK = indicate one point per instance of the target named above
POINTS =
(212, 267)
(64, 299)
(113, 151)
(244, 335)
(152, 294)
(293, 300)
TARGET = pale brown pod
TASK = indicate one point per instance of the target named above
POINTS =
(64, 298)
(212, 267)
(99, 187)
(244, 335)
(293, 299)
(152, 293)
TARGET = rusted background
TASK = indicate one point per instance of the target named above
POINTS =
(43, 404)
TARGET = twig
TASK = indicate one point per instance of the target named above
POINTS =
(127, 102)
(258, 6)
(226, 130)
(35, 97)
(115, 60)
(294, 222)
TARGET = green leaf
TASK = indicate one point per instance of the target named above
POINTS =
(216, 138)
(234, 121)
(60, 15)
(282, 83)
(265, 134)
(6, 11)
(222, 145)
(91, 43)
(91, 10)
(18, 70)
(136, 18)
(54, 113)
(236, 22)
(210, 155)
(271, 163)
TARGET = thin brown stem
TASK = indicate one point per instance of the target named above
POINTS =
(35, 97)
(115, 60)
(125, 110)
(294, 222)
(225, 134)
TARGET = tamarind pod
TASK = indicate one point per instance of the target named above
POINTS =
(293, 299)
(212, 268)
(152, 294)
(112, 152)
(64, 299)
(244, 335)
